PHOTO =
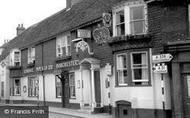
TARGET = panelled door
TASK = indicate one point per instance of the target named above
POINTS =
(186, 95)
(125, 111)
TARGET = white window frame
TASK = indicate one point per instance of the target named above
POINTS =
(72, 85)
(189, 16)
(58, 86)
(34, 88)
(146, 66)
(127, 19)
(15, 90)
(17, 59)
(121, 69)
(31, 55)
(61, 42)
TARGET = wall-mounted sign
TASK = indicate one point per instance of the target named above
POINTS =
(108, 69)
(83, 33)
(68, 64)
(160, 68)
(162, 58)
(106, 17)
(101, 35)
(44, 68)
(83, 46)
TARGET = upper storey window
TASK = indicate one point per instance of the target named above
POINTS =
(130, 19)
(63, 45)
(15, 58)
(31, 55)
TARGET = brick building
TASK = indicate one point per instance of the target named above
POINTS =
(101, 59)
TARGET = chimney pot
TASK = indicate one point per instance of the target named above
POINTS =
(20, 29)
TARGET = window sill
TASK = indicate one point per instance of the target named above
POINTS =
(118, 86)
(14, 67)
(73, 98)
(131, 38)
(30, 65)
(63, 58)
(15, 95)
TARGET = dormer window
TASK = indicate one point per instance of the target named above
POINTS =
(63, 45)
(130, 19)
(31, 55)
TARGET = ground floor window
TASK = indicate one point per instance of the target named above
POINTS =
(58, 87)
(132, 68)
(15, 86)
(33, 86)
(2, 89)
(72, 91)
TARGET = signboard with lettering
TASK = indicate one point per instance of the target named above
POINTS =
(38, 69)
(83, 33)
(44, 68)
(160, 68)
(162, 58)
(68, 64)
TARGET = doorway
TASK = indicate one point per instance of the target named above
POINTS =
(186, 95)
(124, 109)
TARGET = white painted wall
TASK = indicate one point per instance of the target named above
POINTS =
(149, 97)
(86, 86)
(104, 90)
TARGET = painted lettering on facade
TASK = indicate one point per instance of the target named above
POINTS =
(44, 68)
(68, 64)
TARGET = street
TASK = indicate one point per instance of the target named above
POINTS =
(58, 115)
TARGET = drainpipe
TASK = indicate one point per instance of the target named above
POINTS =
(44, 95)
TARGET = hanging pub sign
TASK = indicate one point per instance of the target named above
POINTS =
(106, 17)
(83, 46)
(101, 35)
(83, 33)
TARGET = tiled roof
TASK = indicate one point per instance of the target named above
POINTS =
(65, 20)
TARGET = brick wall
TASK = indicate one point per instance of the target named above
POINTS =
(166, 24)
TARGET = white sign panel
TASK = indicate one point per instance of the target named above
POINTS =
(83, 33)
(160, 68)
(162, 58)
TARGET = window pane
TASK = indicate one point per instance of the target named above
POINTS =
(137, 12)
(139, 58)
(120, 17)
(121, 61)
(121, 29)
(137, 27)
(72, 85)
(58, 87)
(122, 76)
(140, 74)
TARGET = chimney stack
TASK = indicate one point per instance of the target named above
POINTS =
(20, 28)
(70, 3)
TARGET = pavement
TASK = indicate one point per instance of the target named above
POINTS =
(69, 112)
